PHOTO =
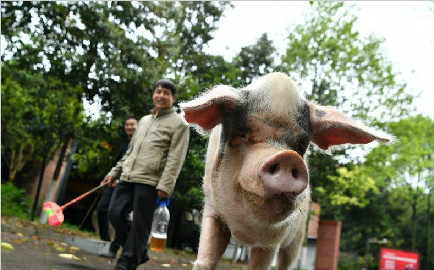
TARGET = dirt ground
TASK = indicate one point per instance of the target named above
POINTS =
(39, 247)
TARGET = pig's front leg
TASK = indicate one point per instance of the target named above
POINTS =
(287, 254)
(214, 238)
(261, 258)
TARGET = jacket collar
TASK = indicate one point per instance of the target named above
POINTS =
(163, 112)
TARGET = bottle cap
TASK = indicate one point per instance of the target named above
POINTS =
(160, 201)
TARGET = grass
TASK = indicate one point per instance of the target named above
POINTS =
(16, 206)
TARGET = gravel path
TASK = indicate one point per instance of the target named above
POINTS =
(39, 247)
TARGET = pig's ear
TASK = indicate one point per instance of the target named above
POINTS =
(206, 110)
(332, 127)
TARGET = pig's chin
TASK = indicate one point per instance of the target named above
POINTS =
(274, 208)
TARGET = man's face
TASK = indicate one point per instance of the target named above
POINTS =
(163, 98)
(130, 126)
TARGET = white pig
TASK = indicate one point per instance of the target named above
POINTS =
(256, 180)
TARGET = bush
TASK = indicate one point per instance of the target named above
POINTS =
(351, 262)
(14, 201)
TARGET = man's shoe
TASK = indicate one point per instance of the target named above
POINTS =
(109, 255)
(144, 258)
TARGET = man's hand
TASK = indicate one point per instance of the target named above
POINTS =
(163, 194)
(107, 180)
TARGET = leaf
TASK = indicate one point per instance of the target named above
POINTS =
(74, 248)
(68, 256)
(6, 245)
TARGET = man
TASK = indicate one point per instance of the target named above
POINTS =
(149, 169)
(103, 206)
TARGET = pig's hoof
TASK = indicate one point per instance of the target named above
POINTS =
(198, 265)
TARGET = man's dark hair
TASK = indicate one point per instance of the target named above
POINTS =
(131, 117)
(168, 84)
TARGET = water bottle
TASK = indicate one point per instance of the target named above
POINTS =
(160, 224)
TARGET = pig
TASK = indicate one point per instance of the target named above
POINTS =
(256, 181)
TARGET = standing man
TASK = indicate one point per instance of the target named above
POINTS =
(148, 170)
(103, 206)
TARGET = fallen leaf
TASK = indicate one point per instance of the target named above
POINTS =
(68, 256)
(74, 248)
(165, 265)
(20, 234)
(7, 246)
(61, 249)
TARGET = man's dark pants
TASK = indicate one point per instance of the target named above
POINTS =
(141, 199)
(103, 219)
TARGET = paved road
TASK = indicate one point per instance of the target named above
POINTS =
(38, 247)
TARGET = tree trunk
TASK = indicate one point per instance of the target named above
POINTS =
(52, 189)
(413, 224)
(17, 162)
(60, 160)
(64, 181)
(38, 191)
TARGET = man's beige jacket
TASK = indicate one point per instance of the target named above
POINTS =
(156, 152)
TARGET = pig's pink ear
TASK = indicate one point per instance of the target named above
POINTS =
(332, 127)
(206, 110)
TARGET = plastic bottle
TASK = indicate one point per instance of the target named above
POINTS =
(160, 224)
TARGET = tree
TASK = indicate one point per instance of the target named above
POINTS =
(403, 172)
(114, 50)
(256, 60)
(341, 68)
(409, 162)
(43, 114)
(40, 114)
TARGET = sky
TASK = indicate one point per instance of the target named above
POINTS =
(406, 26)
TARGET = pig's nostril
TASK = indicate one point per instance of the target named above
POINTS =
(295, 173)
(274, 168)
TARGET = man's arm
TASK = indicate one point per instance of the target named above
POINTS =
(175, 159)
(116, 171)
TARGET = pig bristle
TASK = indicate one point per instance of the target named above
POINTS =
(275, 93)
(250, 125)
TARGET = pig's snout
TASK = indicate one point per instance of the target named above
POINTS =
(284, 173)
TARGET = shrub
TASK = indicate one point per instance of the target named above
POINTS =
(14, 201)
(351, 262)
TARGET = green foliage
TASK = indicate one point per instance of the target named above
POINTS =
(349, 188)
(351, 262)
(342, 67)
(403, 172)
(14, 201)
(40, 113)
(95, 45)
(98, 146)
(256, 60)
(409, 158)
